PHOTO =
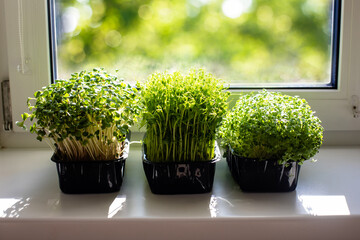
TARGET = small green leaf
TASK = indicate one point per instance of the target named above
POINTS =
(24, 116)
(20, 124)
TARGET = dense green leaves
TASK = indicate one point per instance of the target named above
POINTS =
(86, 116)
(181, 114)
(272, 126)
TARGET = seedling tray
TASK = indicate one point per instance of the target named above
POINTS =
(180, 177)
(254, 175)
(91, 176)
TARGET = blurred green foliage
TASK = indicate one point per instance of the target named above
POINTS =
(241, 41)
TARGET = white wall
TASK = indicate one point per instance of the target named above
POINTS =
(3, 51)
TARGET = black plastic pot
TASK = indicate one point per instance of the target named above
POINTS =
(254, 175)
(181, 177)
(91, 176)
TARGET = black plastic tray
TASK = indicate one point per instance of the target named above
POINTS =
(91, 176)
(181, 177)
(254, 175)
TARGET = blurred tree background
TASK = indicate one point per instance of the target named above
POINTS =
(241, 41)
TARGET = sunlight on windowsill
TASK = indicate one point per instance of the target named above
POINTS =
(325, 205)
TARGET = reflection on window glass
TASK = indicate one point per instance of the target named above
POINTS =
(241, 41)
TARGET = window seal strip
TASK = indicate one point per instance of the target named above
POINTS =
(52, 39)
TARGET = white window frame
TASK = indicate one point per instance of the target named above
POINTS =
(30, 51)
(333, 106)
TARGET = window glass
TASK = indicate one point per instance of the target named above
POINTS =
(245, 42)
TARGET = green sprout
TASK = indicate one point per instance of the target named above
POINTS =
(181, 114)
(85, 117)
(273, 126)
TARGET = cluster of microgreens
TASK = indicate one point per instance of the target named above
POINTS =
(181, 114)
(86, 117)
(269, 125)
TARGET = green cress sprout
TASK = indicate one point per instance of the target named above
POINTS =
(270, 125)
(181, 114)
(86, 117)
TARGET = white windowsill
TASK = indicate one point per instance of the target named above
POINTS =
(32, 206)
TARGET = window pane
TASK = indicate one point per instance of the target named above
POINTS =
(245, 42)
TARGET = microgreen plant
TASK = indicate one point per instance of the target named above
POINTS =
(181, 114)
(268, 125)
(85, 117)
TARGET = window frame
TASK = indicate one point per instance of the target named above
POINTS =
(336, 7)
(333, 106)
